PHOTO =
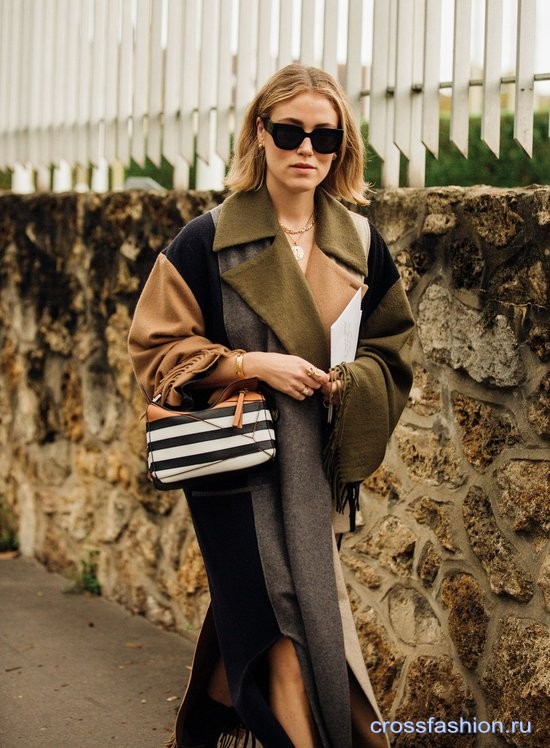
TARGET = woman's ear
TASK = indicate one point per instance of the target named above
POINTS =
(260, 132)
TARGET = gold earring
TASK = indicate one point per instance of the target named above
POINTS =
(260, 146)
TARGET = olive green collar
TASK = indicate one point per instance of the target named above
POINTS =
(249, 216)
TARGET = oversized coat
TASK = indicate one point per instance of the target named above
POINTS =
(268, 535)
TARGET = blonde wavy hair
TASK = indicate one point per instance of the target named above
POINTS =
(345, 178)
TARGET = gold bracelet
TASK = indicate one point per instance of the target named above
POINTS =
(239, 371)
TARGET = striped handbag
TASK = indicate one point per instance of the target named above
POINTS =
(235, 432)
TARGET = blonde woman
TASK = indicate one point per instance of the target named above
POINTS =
(252, 290)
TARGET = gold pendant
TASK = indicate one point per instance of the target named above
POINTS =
(297, 251)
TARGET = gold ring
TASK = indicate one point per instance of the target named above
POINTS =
(311, 371)
(306, 390)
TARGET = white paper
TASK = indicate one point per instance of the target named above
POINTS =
(344, 333)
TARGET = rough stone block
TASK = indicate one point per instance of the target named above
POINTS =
(435, 688)
(383, 659)
(538, 338)
(496, 555)
(408, 274)
(544, 581)
(491, 216)
(392, 543)
(454, 335)
(425, 394)
(484, 431)
(412, 617)
(384, 484)
(364, 573)
(429, 455)
(115, 517)
(468, 618)
(524, 496)
(193, 582)
(435, 514)
(467, 263)
(539, 408)
(439, 223)
(399, 212)
(516, 680)
(523, 280)
(541, 199)
(429, 563)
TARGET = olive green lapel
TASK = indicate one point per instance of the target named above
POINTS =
(249, 216)
(271, 282)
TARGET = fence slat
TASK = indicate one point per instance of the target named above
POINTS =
(5, 29)
(330, 37)
(84, 83)
(25, 56)
(432, 60)
(172, 80)
(525, 67)
(417, 151)
(71, 84)
(264, 66)
(353, 58)
(59, 71)
(285, 33)
(35, 84)
(111, 79)
(190, 81)
(460, 111)
(307, 32)
(378, 99)
(392, 156)
(207, 77)
(45, 144)
(225, 81)
(97, 108)
(244, 90)
(490, 117)
(403, 77)
(125, 83)
(156, 83)
(141, 81)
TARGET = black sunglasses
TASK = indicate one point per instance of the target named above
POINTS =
(289, 137)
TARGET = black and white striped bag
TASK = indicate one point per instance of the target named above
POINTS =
(234, 433)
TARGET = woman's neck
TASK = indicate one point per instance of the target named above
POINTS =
(293, 209)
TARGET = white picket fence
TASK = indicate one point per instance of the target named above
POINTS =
(103, 81)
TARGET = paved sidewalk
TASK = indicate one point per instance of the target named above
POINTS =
(79, 671)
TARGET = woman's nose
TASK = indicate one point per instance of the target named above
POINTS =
(305, 146)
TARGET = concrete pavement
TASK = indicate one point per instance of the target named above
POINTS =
(80, 672)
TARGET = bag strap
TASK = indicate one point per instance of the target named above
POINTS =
(362, 227)
(215, 213)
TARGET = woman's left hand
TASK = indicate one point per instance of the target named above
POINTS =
(331, 391)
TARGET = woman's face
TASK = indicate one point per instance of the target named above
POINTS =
(301, 169)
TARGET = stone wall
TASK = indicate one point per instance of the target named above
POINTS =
(449, 575)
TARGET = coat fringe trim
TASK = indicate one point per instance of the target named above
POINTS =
(343, 494)
(240, 737)
(171, 742)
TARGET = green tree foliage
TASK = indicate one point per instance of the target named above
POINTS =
(514, 168)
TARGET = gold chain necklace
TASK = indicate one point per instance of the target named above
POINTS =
(297, 251)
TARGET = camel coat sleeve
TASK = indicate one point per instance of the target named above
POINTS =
(167, 341)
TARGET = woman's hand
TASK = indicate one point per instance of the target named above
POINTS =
(331, 391)
(292, 375)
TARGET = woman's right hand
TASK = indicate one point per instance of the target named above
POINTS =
(292, 375)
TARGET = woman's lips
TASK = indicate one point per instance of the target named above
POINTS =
(302, 167)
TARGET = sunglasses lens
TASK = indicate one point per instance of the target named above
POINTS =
(289, 137)
(325, 140)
